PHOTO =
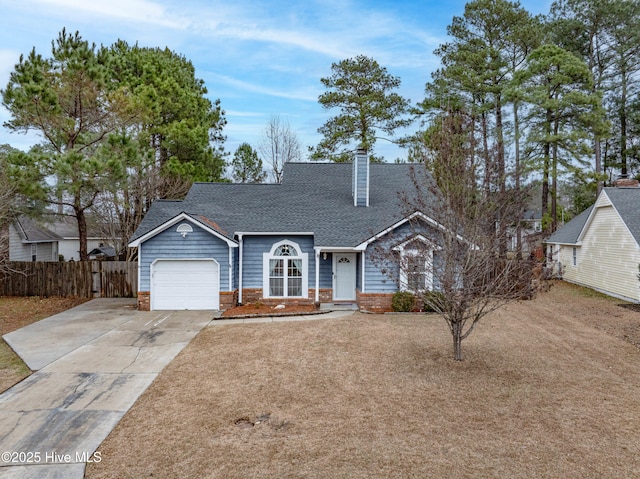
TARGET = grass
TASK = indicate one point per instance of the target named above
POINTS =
(543, 392)
(17, 312)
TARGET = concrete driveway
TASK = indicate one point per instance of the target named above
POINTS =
(92, 362)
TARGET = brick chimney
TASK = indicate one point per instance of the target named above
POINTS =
(361, 178)
(626, 183)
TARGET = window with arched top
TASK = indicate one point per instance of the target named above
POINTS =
(285, 271)
(417, 264)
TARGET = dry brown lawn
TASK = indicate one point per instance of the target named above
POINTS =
(549, 389)
(15, 313)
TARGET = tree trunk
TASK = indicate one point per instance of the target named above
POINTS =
(82, 233)
(516, 128)
(456, 331)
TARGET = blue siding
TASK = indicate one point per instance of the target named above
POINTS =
(255, 246)
(378, 282)
(375, 280)
(169, 244)
(326, 270)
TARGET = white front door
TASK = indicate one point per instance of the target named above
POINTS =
(344, 276)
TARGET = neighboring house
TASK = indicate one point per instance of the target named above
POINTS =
(69, 245)
(310, 239)
(29, 241)
(600, 248)
(531, 232)
(103, 253)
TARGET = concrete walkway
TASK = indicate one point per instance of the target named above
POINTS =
(92, 363)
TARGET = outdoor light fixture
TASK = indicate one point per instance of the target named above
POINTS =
(324, 256)
(184, 229)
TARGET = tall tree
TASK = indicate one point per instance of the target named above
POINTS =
(605, 33)
(487, 45)
(176, 137)
(279, 145)
(563, 113)
(247, 166)
(125, 123)
(364, 93)
(67, 100)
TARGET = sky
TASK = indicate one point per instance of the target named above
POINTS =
(260, 58)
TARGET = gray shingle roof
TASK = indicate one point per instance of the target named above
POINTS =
(569, 233)
(626, 201)
(32, 232)
(313, 197)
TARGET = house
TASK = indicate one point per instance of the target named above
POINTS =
(69, 244)
(310, 239)
(29, 241)
(102, 253)
(600, 248)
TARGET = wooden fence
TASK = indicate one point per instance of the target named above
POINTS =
(85, 279)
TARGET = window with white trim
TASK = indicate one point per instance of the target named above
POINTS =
(575, 256)
(285, 271)
(416, 264)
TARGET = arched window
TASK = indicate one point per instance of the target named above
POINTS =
(285, 271)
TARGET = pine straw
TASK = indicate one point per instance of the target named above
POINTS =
(541, 393)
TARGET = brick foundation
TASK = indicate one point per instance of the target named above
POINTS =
(325, 296)
(374, 302)
(228, 299)
(254, 295)
(144, 301)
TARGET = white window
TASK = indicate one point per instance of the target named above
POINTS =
(285, 271)
(416, 264)
(575, 256)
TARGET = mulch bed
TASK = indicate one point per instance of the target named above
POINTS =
(260, 309)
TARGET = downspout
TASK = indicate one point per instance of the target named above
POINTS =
(230, 268)
(317, 293)
(241, 246)
(362, 289)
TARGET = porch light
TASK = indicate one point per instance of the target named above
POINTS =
(324, 256)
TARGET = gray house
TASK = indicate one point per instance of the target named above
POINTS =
(29, 241)
(310, 239)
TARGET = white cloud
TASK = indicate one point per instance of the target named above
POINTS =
(308, 94)
(138, 11)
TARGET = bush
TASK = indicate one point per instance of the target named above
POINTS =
(433, 301)
(403, 301)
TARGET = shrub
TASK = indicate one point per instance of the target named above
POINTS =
(433, 301)
(403, 301)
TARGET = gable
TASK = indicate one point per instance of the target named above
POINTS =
(181, 221)
(619, 207)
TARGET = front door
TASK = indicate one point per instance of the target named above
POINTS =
(344, 276)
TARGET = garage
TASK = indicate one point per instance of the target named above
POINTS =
(185, 284)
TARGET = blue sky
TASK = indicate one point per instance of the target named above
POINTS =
(259, 58)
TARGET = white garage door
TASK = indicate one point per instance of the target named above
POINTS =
(185, 284)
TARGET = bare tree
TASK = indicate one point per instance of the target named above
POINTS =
(279, 145)
(7, 197)
(452, 254)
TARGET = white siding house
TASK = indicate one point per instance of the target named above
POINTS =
(600, 248)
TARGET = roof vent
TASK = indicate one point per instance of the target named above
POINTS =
(184, 229)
